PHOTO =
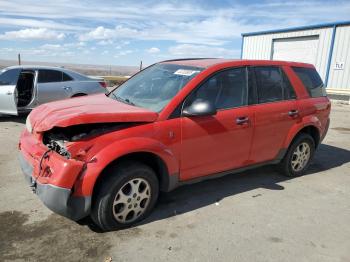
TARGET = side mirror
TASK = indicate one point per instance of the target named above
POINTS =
(200, 107)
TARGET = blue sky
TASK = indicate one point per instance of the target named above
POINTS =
(125, 32)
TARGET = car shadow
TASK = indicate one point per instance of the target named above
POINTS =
(191, 197)
(16, 119)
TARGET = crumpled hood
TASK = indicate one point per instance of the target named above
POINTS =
(86, 110)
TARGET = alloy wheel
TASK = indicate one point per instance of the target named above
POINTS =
(300, 156)
(132, 200)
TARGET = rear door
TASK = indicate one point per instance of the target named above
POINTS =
(51, 86)
(8, 92)
(211, 144)
(275, 111)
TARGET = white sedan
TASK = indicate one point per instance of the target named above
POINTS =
(24, 87)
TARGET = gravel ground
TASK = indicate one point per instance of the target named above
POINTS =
(253, 216)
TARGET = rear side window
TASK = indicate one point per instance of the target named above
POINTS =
(272, 85)
(9, 77)
(48, 76)
(66, 77)
(226, 89)
(311, 80)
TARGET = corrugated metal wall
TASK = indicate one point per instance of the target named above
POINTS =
(340, 79)
(260, 46)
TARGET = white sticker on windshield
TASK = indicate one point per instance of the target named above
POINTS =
(185, 72)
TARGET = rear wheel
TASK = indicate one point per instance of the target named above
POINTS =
(126, 195)
(299, 156)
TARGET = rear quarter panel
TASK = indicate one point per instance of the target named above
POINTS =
(86, 87)
(312, 111)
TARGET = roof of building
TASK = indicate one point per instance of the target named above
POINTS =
(290, 29)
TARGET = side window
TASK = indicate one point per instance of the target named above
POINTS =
(311, 80)
(288, 89)
(48, 76)
(226, 89)
(9, 77)
(66, 77)
(269, 84)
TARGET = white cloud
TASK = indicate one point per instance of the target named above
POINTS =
(97, 34)
(32, 34)
(190, 50)
(153, 50)
(107, 34)
(77, 45)
(105, 42)
(51, 46)
(123, 53)
(36, 23)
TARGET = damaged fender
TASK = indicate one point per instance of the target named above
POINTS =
(118, 149)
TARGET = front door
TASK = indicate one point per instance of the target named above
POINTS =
(212, 144)
(8, 92)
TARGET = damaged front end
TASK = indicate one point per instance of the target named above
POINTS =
(58, 138)
(52, 163)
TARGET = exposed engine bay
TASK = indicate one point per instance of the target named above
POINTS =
(56, 138)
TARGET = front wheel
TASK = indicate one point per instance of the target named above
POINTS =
(125, 196)
(299, 156)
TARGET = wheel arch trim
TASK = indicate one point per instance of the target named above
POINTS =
(304, 125)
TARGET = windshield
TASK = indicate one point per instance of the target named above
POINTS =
(155, 86)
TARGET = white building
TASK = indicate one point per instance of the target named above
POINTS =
(327, 46)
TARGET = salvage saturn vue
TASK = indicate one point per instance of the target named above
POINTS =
(176, 122)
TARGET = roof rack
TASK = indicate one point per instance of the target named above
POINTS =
(184, 59)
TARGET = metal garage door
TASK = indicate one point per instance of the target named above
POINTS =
(298, 49)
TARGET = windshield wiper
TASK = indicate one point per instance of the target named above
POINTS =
(123, 100)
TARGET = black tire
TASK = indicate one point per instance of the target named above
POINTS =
(286, 164)
(114, 178)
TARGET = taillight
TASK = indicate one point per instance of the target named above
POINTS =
(103, 84)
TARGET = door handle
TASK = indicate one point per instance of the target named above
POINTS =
(242, 120)
(293, 112)
(9, 93)
(67, 88)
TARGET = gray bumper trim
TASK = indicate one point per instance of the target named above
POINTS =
(58, 199)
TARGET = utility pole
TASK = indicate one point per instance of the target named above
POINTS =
(141, 65)
(19, 59)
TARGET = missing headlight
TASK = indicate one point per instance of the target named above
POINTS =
(58, 146)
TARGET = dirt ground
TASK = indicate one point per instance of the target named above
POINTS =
(253, 216)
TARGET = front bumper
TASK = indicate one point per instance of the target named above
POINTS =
(58, 199)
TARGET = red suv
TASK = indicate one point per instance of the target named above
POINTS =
(173, 123)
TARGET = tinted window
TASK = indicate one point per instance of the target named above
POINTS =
(47, 76)
(226, 89)
(269, 84)
(9, 77)
(66, 77)
(288, 89)
(311, 80)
